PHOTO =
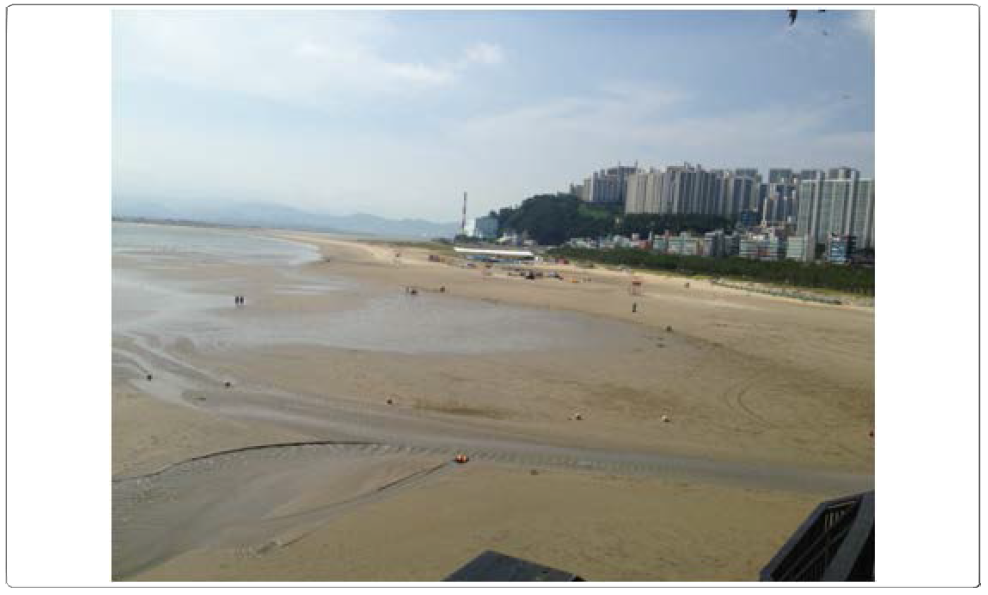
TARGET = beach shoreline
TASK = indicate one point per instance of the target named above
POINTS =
(740, 381)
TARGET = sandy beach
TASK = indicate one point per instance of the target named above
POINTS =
(308, 436)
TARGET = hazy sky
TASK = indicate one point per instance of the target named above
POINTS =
(397, 113)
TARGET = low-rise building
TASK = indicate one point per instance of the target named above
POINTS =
(800, 248)
(732, 244)
(840, 249)
(775, 248)
(713, 243)
(769, 244)
(686, 244)
(510, 239)
(660, 244)
(749, 246)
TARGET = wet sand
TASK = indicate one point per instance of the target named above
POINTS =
(769, 402)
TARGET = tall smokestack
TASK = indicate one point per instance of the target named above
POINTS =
(463, 224)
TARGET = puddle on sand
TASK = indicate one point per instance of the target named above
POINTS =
(444, 324)
(422, 324)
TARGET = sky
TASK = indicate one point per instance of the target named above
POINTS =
(397, 113)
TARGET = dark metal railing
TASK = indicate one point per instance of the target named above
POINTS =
(836, 543)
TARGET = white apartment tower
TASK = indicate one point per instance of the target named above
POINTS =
(643, 192)
(842, 205)
(608, 185)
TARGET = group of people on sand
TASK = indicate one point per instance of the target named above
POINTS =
(415, 290)
(238, 300)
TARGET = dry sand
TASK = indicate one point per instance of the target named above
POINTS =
(604, 528)
(745, 375)
(746, 379)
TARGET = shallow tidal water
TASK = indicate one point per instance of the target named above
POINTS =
(159, 290)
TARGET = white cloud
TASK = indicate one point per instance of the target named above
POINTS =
(311, 49)
(611, 114)
(500, 157)
(562, 140)
(295, 61)
(420, 73)
(485, 53)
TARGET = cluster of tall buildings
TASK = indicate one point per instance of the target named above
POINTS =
(820, 203)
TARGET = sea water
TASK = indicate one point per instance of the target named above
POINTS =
(206, 245)
(157, 295)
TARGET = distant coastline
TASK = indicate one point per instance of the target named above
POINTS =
(179, 222)
(253, 215)
(353, 235)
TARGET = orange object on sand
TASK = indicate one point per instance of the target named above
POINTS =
(461, 458)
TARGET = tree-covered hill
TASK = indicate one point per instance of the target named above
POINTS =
(552, 219)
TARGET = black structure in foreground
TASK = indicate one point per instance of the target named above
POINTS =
(491, 566)
(836, 543)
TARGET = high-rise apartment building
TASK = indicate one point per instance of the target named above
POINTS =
(634, 201)
(835, 199)
(817, 203)
(811, 174)
(780, 175)
(706, 193)
(688, 190)
(779, 202)
(808, 209)
(862, 214)
(608, 185)
(603, 188)
(644, 192)
(678, 189)
(842, 206)
(805, 175)
(740, 195)
(842, 173)
(748, 172)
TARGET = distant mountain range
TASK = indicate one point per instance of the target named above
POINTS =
(250, 214)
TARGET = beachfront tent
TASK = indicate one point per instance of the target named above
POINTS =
(513, 254)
